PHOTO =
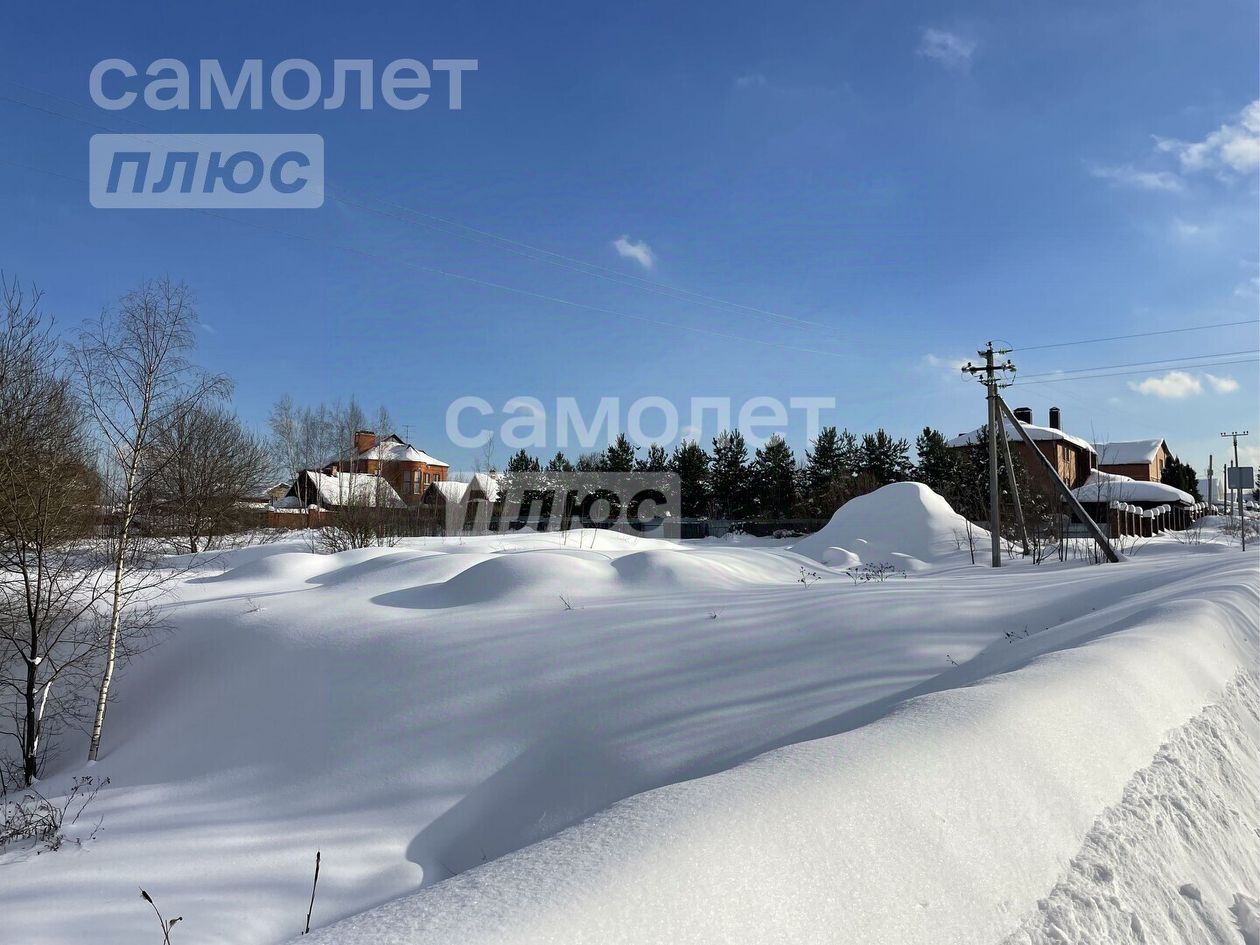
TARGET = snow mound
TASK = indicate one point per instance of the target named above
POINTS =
(663, 569)
(904, 522)
(511, 577)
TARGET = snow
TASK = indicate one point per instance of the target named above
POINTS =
(452, 490)
(690, 746)
(393, 451)
(905, 523)
(1128, 452)
(1112, 487)
(362, 488)
(1034, 433)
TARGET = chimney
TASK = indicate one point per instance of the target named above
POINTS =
(1056, 419)
(1023, 414)
(364, 440)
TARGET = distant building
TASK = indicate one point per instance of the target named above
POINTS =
(1073, 458)
(1143, 460)
(409, 471)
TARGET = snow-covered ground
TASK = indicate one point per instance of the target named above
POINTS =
(707, 747)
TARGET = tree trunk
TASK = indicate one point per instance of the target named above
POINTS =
(115, 619)
(30, 734)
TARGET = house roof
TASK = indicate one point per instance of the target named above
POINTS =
(1033, 431)
(1112, 487)
(487, 484)
(358, 488)
(1128, 452)
(450, 490)
(400, 452)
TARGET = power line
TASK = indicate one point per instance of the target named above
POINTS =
(464, 277)
(463, 231)
(1108, 367)
(1092, 377)
(1140, 334)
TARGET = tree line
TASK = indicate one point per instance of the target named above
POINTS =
(770, 482)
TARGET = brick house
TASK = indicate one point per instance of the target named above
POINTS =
(1073, 458)
(1142, 460)
(408, 470)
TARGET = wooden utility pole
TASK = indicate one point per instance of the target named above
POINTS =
(990, 380)
(1010, 477)
(1062, 486)
(1238, 496)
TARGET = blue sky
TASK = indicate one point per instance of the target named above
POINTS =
(900, 181)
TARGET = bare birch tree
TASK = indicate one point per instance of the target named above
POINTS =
(50, 585)
(204, 465)
(136, 381)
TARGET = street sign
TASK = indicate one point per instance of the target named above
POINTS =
(1240, 477)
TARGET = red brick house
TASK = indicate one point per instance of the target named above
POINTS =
(1073, 458)
(409, 470)
(1143, 460)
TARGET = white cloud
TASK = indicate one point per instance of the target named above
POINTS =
(1249, 289)
(949, 49)
(639, 251)
(753, 80)
(1233, 146)
(1175, 385)
(1126, 175)
(949, 369)
(1222, 385)
(1185, 230)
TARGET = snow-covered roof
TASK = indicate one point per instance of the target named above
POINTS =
(1112, 487)
(357, 488)
(450, 490)
(487, 484)
(391, 449)
(399, 452)
(1033, 431)
(1128, 452)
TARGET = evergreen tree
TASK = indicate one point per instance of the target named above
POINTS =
(827, 480)
(882, 460)
(938, 463)
(620, 455)
(691, 464)
(774, 478)
(729, 479)
(559, 463)
(1181, 476)
(522, 462)
(657, 460)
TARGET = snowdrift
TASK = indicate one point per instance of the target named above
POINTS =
(904, 523)
(443, 728)
(942, 823)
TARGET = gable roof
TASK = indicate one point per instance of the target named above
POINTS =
(1034, 432)
(486, 484)
(392, 449)
(1128, 452)
(450, 489)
